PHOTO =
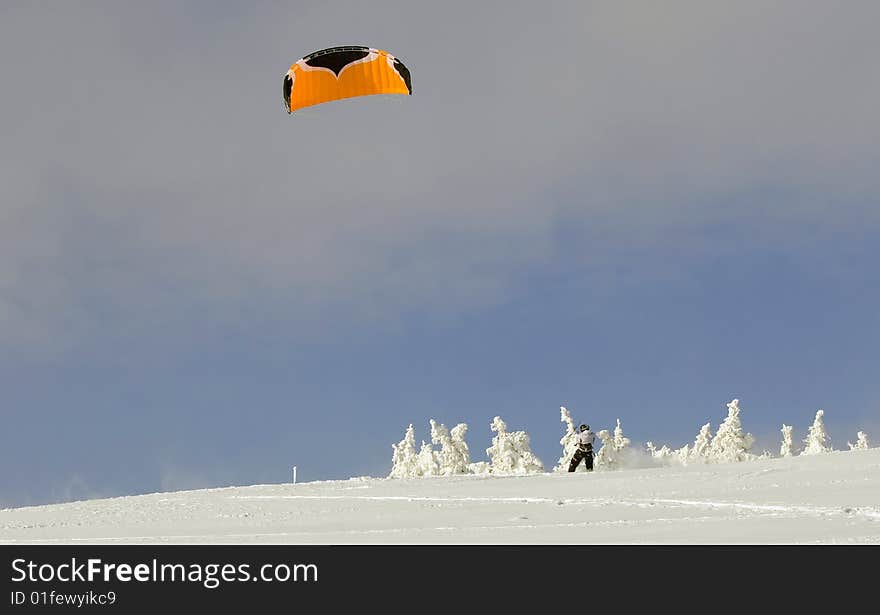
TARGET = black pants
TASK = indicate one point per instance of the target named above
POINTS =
(586, 455)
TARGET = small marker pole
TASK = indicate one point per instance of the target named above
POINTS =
(294, 475)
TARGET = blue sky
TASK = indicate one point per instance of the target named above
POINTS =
(638, 212)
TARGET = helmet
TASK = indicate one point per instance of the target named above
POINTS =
(584, 427)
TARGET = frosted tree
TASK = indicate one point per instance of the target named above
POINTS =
(461, 454)
(604, 456)
(440, 436)
(404, 462)
(730, 443)
(861, 444)
(568, 442)
(683, 454)
(528, 461)
(510, 452)
(502, 457)
(663, 455)
(787, 447)
(480, 467)
(614, 448)
(453, 456)
(817, 440)
(700, 451)
(427, 461)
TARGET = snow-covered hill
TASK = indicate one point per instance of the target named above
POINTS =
(826, 498)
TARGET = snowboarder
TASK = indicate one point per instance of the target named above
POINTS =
(584, 450)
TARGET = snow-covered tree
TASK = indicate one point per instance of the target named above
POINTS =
(786, 449)
(817, 440)
(620, 441)
(699, 453)
(730, 443)
(461, 453)
(861, 444)
(614, 448)
(683, 454)
(568, 442)
(510, 452)
(453, 456)
(404, 462)
(480, 467)
(427, 461)
(439, 436)
(664, 455)
(603, 456)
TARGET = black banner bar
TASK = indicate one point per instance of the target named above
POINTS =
(227, 578)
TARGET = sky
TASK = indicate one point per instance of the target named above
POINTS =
(632, 210)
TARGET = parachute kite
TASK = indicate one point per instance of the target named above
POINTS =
(343, 72)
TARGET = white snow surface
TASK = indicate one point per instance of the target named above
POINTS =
(826, 498)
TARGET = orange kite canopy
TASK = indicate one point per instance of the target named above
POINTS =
(343, 72)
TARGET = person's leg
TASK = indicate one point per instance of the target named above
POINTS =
(575, 460)
(589, 462)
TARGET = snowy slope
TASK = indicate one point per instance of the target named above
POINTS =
(825, 498)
